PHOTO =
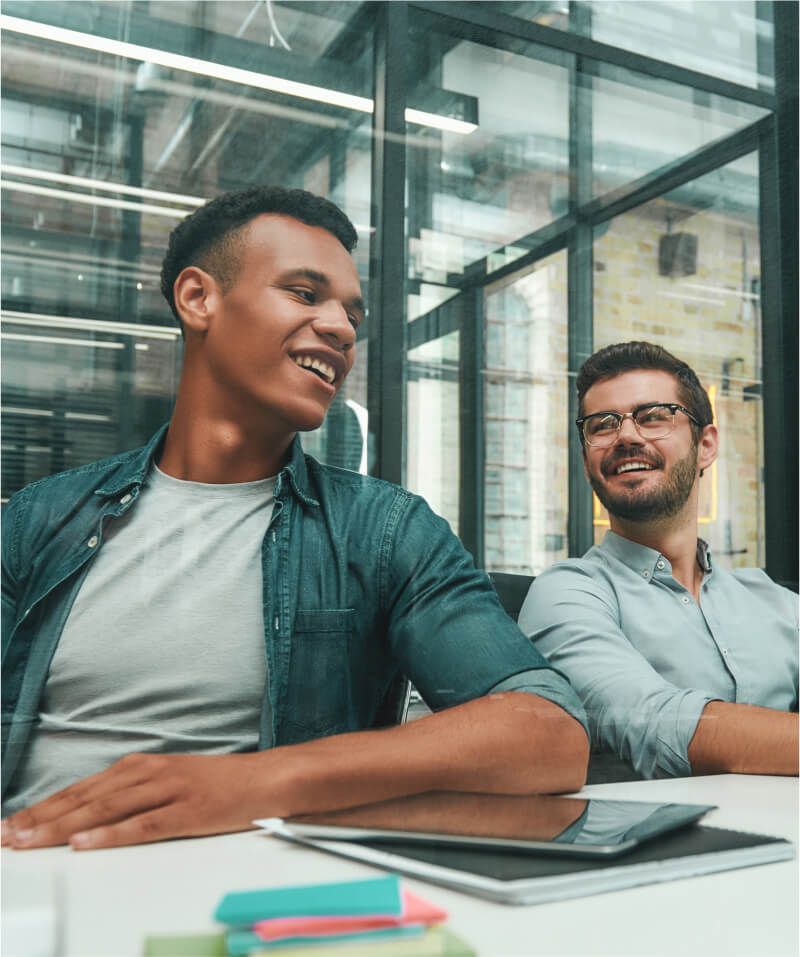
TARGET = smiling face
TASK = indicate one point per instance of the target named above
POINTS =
(640, 480)
(278, 344)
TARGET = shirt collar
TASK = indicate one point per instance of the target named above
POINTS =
(295, 472)
(646, 561)
(133, 470)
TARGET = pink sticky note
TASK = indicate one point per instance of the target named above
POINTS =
(416, 910)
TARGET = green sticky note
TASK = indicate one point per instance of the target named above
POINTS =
(379, 895)
(185, 945)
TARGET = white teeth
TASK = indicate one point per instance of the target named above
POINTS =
(309, 362)
(633, 466)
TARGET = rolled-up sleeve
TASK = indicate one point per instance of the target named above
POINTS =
(447, 627)
(632, 711)
(550, 685)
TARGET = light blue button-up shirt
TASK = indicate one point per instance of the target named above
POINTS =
(646, 658)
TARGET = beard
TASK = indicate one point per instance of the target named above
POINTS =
(664, 501)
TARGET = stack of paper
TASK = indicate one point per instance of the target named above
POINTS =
(368, 918)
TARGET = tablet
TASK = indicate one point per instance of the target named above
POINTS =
(567, 827)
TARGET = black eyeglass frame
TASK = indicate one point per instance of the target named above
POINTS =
(621, 416)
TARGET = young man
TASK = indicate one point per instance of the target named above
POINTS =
(217, 591)
(683, 667)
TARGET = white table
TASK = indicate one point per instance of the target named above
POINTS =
(112, 899)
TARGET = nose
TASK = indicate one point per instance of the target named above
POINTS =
(332, 323)
(628, 434)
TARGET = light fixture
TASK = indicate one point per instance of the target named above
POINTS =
(91, 325)
(103, 184)
(37, 190)
(110, 201)
(58, 341)
(219, 71)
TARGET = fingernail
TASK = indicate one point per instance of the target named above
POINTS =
(84, 839)
(25, 836)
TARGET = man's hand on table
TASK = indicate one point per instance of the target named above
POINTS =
(509, 743)
(143, 798)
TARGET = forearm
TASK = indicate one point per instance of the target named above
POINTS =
(744, 739)
(515, 743)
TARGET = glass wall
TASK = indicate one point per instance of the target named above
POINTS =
(526, 390)
(568, 175)
(117, 120)
(684, 270)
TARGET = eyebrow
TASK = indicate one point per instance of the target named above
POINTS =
(321, 280)
(636, 408)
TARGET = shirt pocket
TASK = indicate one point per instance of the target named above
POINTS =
(320, 699)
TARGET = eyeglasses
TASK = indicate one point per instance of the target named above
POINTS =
(600, 429)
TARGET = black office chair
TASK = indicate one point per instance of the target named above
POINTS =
(604, 767)
(394, 707)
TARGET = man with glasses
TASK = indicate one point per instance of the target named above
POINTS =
(683, 667)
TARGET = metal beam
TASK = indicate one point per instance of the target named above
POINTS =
(580, 289)
(385, 382)
(779, 255)
(702, 161)
(471, 424)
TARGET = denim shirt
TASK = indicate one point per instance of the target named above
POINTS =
(360, 580)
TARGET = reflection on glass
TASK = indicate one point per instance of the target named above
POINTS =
(433, 416)
(640, 124)
(476, 197)
(112, 132)
(684, 271)
(526, 429)
(731, 39)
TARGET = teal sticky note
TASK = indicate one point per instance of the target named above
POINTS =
(239, 943)
(379, 895)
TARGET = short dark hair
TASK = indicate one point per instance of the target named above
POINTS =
(211, 237)
(622, 357)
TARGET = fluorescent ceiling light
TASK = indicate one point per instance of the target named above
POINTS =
(103, 184)
(56, 340)
(685, 295)
(722, 289)
(91, 325)
(18, 410)
(93, 200)
(439, 122)
(219, 71)
(107, 200)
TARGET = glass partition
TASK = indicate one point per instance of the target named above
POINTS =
(526, 419)
(730, 39)
(118, 119)
(684, 271)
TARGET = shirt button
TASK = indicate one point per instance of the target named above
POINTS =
(659, 564)
(724, 651)
(124, 500)
(685, 599)
(92, 541)
(645, 574)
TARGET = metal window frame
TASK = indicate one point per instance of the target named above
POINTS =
(773, 136)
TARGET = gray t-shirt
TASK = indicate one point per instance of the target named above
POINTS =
(163, 649)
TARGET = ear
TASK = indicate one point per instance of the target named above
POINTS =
(197, 298)
(707, 447)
